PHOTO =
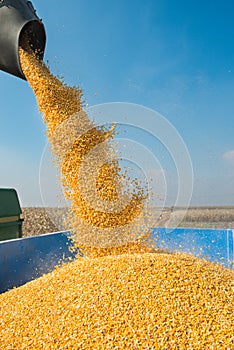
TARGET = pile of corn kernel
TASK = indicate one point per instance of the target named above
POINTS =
(128, 301)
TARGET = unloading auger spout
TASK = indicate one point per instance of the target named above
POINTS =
(19, 26)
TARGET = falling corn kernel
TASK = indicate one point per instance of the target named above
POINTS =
(104, 212)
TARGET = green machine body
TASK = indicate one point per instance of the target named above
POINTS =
(10, 215)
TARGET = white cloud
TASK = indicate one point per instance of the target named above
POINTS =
(229, 156)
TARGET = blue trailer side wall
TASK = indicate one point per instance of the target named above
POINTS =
(25, 259)
(212, 244)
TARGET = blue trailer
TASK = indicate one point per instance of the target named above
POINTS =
(25, 259)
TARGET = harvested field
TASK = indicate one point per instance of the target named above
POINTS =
(209, 217)
(38, 221)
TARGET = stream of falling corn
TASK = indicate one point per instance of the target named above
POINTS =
(104, 211)
(121, 296)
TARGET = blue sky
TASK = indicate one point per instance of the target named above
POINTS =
(175, 57)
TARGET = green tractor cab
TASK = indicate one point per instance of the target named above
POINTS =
(10, 215)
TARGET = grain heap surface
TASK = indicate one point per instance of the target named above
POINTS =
(129, 301)
(105, 212)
